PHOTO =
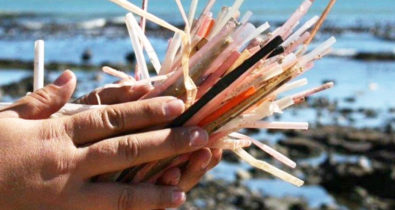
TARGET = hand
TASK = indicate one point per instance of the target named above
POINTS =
(48, 163)
(200, 162)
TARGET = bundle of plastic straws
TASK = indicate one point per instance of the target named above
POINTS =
(230, 75)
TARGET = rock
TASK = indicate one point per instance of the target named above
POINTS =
(346, 111)
(86, 56)
(373, 56)
(130, 57)
(18, 89)
(301, 148)
(230, 157)
(345, 177)
(350, 99)
(242, 175)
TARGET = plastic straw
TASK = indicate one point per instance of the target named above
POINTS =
(38, 65)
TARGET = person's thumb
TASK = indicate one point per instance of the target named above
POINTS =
(42, 103)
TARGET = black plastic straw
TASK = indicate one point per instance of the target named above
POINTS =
(222, 84)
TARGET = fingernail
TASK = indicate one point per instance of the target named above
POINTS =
(198, 136)
(178, 196)
(174, 107)
(64, 78)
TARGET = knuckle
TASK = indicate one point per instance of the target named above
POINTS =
(65, 165)
(126, 200)
(113, 119)
(103, 150)
(153, 110)
(129, 148)
(42, 95)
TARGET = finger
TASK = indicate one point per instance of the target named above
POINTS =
(44, 102)
(123, 152)
(115, 95)
(196, 168)
(117, 196)
(170, 177)
(98, 124)
(216, 158)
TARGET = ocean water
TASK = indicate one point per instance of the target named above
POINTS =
(345, 10)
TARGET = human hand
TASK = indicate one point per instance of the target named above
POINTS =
(200, 162)
(47, 163)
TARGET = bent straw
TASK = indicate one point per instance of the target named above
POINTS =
(133, 8)
(268, 168)
(272, 152)
(225, 82)
(38, 65)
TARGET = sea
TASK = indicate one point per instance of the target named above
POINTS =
(70, 27)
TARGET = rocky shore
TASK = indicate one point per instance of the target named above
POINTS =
(357, 169)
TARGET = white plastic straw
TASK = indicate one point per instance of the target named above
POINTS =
(153, 57)
(192, 11)
(279, 125)
(317, 52)
(228, 16)
(132, 26)
(262, 28)
(246, 17)
(300, 31)
(135, 9)
(268, 168)
(292, 85)
(38, 65)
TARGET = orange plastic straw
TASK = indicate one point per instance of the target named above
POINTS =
(232, 103)
(205, 28)
(210, 26)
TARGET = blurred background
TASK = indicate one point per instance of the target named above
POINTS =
(347, 157)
